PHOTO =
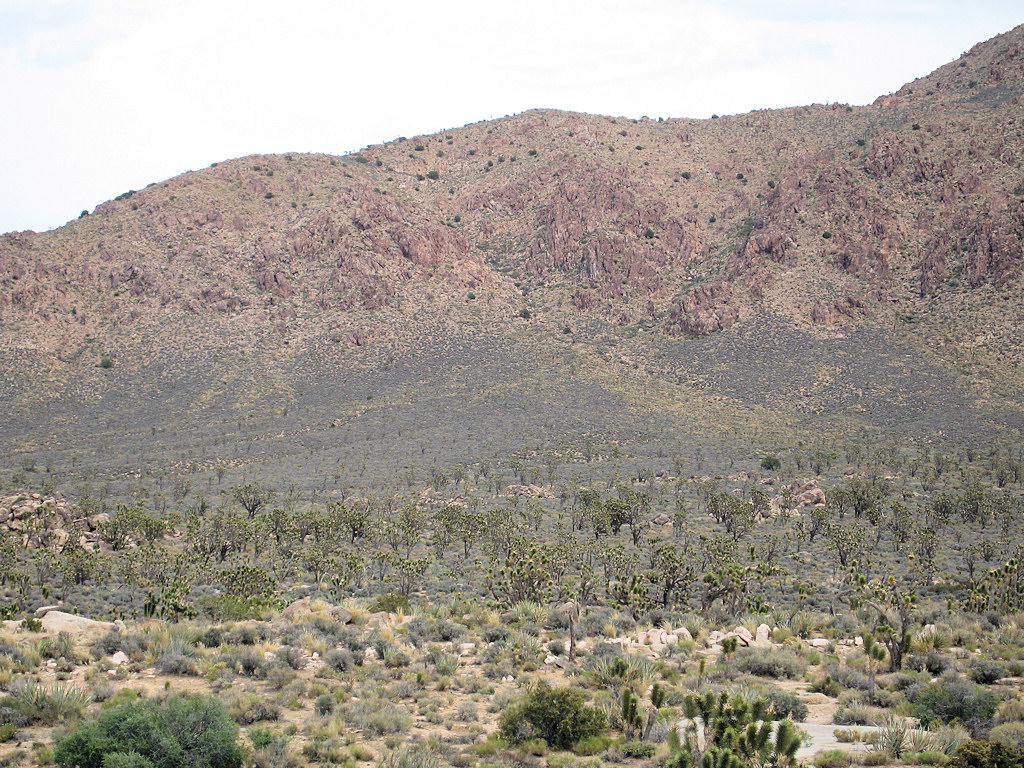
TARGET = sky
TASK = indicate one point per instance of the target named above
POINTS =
(101, 96)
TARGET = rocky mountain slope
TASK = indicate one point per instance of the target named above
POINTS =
(798, 270)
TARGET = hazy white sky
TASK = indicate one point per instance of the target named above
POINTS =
(101, 96)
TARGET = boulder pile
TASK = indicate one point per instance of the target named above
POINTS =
(50, 521)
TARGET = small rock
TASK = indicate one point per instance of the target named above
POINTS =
(119, 658)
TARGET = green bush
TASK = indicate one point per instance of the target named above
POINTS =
(392, 602)
(1010, 734)
(988, 754)
(185, 732)
(833, 758)
(985, 671)
(953, 698)
(786, 705)
(770, 662)
(557, 715)
(641, 750)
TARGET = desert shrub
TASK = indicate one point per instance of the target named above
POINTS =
(390, 602)
(988, 754)
(875, 758)
(786, 705)
(60, 647)
(378, 718)
(933, 662)
(211, 637)
(1010, 711)
(955, 699)
(827, 685)
(927, 758)
(21, 660)
(250, 708)
(444, 663)
(132, 644)
(178, 732)
(246, 662)
(6, 732)
(848, 677)
(985, 671)
(591, 745)
(833, 758)
(247, 634)
(466, 712)
(291, 656)
(172, 663)
(640, 750)
(324, 704)
(340, 660)
(557, 715)
(1010, 734)
(496, 634)
(411, 757)
(770, 662)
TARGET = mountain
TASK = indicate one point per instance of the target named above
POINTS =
(550, 283)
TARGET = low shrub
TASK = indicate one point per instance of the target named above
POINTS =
(786, 705)
(770, 662)
(557, 715)
(1010, 734)
(250, 708)
(985, 671)
(833, 758)
(988, 754)
(641, 750)
(178, 732)
(955, 699)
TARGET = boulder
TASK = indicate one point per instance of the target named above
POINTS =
(682, 633)
(119, 658)
(662, 519)
(369, 656)
(744, 634)
(671, 639)
(58, 621)
(341, 615)
(296, 609)
(45, 609)
(762, 634)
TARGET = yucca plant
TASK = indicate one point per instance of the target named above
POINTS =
(892, 737)
(47, 705)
